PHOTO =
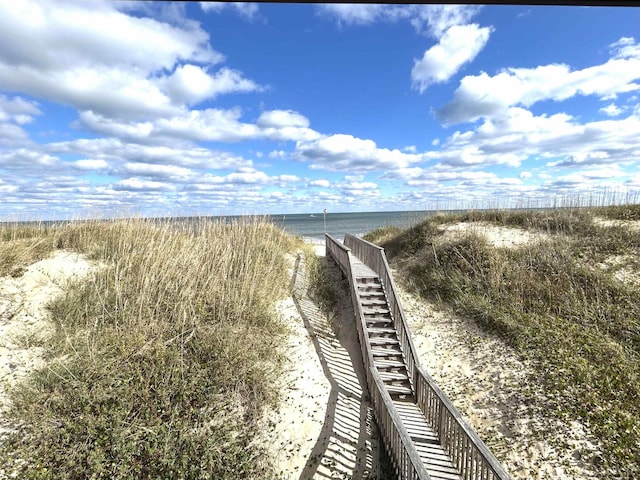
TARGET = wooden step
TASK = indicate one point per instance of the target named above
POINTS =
(383, 312)
(379, 323)
(375, 301)
(370, 288)
(381, 331)
(378, 318)
(394, 376)
(385, 352)
(370, 291)
(368, 280)
(383, 341)
(399, 390)
(383, 363)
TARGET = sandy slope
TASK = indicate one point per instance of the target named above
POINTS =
(23, 316)
(324, 428)
(494, 389)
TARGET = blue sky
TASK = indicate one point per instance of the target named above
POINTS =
(136, 108)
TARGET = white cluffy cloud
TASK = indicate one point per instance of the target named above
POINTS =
(433, 20)
(484, 95)
(210, 124)
(97, 58)
(17, 110)
(459, 45)
(611, 110)
(342, 152)
(247, 10)
(191, 84)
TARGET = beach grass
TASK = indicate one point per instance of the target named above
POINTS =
(568, 300)
(21, 245)
(162, 363)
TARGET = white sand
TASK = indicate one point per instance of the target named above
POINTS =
(23, 315)
(633, 225)
(505, 237)
(324, 428)
(485, 380)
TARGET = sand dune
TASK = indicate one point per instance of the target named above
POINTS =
(24, 324)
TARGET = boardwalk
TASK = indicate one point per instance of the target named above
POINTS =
(424, 434)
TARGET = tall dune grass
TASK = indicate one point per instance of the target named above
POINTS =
(559, 301)
(163, 362)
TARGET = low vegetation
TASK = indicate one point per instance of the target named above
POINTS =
(321, 286)
(21, 245)
(568, 300)
(162, 364)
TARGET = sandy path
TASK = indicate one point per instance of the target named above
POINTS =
(23, 316)
(325, 426)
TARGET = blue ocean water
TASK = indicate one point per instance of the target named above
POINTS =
(313, 226)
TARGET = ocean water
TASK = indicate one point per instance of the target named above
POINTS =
(313, 226)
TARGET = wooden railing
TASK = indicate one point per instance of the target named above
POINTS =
(469, 454)
(396, 438)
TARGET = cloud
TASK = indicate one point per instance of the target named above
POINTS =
(320, 183)
(243, 177)
(136, 184)
(191, 84)
(348, 153)
(18, 110)
(437, 19)
(116, 152)
(459, 45)
(433, 20)
(611, 110)
(247, 10)
(485, 96)
(155, 170)
(12, 135)
(80, 55)
(91, 164)
(626, 47)
(281, 119)
(27, 161)
(360, 14)
(211, 124)
(518, 135)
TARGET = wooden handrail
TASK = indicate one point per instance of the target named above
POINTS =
(394, 433)
(469, 454)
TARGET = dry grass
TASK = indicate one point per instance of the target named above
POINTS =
(551, 300)
(162, 364)
(21, 245)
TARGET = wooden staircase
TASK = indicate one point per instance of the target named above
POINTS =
(391, 365)
(385, 346)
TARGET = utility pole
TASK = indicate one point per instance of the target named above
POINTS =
(324, 217)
